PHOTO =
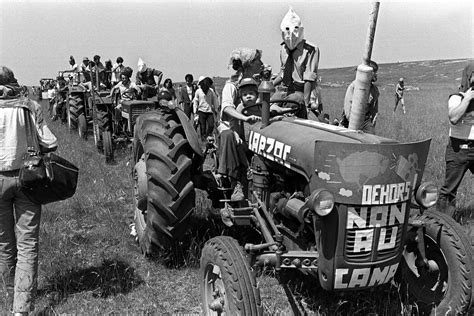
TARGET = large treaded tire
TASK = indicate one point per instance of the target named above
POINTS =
(108, 146)
(170, 191)
(450, 292)
(228, 283)
(76, 108)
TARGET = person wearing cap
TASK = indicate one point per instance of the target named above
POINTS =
(145, 79)
(186, 95)
(299, 64)
(205, 107)
(19, 216)
(372, 108)
(459, 154)
(399, 89)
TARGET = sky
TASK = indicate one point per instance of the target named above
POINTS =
(197, 37)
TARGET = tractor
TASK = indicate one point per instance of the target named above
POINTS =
(43, 88)
(89, 104)
(343, 207)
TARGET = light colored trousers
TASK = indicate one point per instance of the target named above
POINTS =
(19, 233)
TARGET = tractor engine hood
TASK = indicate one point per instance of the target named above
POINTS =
(291, 141)
(342, 160)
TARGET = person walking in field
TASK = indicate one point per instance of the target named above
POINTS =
(372, 107)
(19, 216)
(460, 149)
(205, 107)
(186, 95)
(399, 90)
(299, 64)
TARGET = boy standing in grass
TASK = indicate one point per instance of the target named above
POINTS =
(400, 88)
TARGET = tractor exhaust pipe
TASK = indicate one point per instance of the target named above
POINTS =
(364, 75)
(265, 88)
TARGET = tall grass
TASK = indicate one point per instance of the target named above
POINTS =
(90, 264)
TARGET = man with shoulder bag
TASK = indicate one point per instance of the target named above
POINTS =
(19, 215)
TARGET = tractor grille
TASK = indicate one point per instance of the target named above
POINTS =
(137, 111)
(374, 233)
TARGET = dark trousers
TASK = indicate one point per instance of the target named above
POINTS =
(206, 123)
(458, 161)
(232, 158)
(188, 108)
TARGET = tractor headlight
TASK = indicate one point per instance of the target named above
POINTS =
(322, 201)
(426, 194)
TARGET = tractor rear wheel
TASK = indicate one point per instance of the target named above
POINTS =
(76, 108)
(228, 284)
(108, 146)
(447, 290)
(159, 138)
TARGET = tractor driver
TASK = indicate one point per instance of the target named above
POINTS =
(127, 89)
(299, 65)
(145, 79)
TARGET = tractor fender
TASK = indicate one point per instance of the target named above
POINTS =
(190, 132)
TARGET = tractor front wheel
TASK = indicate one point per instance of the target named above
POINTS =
(82, 126)
(228, 283)
(447, 288)
(108, 146)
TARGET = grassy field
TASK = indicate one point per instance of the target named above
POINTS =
(89, 263)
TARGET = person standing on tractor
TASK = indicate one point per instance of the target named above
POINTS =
(19, 216)
(316, 101)
(399, 90)
(85, 68)
(372, 109)
(299, 64)
(205, 107)
(145, 79)
(186, 95)
(460, 149)
(117, 70)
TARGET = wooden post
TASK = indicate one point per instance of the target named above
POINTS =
(364, 75)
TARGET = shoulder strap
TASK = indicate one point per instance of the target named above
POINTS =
(31, 140)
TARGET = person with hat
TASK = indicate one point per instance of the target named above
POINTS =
(372, 108)
(145, 79)
(299, 65)
(399, 89)
(205, 107)
(19, 216)
(460, 149)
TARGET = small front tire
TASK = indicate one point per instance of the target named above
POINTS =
(228, 283)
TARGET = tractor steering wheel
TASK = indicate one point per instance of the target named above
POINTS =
(256, 109)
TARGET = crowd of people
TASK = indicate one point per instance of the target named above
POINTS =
(297, 80)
